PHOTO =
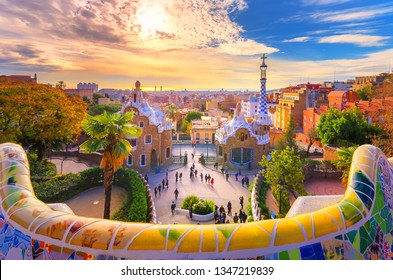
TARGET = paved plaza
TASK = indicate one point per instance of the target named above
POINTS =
(87, 203)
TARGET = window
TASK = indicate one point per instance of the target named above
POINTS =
(141, 124)
(129, 160)
(242, 136)
(220, 151)
(206, 136)
(133, 143)
(168, 152)
(143, 160)
(148, 139)
(198, 136)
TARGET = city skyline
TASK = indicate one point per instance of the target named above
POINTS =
(195, 44)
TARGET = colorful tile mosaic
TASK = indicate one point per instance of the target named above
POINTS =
(360, 226)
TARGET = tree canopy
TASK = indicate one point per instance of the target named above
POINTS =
(37, 116)
(288, 139)
(345, 128)
(287, 166)
(98, 109)
(193, 116)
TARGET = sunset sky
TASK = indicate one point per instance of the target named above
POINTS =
(195, 44)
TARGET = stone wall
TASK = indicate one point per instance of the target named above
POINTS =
(329, 153)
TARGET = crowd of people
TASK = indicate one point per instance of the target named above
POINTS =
(222, 217)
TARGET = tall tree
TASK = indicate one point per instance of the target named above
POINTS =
(346, 128)
(109, 132)
(289, 138)
(312, 135)
(366, 93)
(286, 166)
(173, 113)
(99, 109)
(344, 162)
(61, 85)
(37, 116)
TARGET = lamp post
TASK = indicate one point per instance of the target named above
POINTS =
(207, 149)
(281, 185)
(179, 142)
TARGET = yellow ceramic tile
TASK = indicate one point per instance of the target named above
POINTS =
(191, 242)
(223, 233)
(175, 234)
(334, 211)
(306, 221)
(249, 236)
(15, 197)
(126, 232)
(153, 238)
(288, 232)
(323, 224)
(56, 227)
(209, 242)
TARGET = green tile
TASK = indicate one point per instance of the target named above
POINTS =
(295, 254)
(365, 240)
(284, 255)
(339, 237)
(356, 241)
(351, 235)
(378, 218)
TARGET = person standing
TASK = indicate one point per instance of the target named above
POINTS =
(241, 200)
(173, 207)
(177, 176)
(146, 178)
(201, 177)
(180, 176)
(243, 182)
(229, 207)
(236, 175)
(163, 183)
(212, 182)
(159, 189)
(235, 218)
(227, 176)
(167, 183)
(155, 192)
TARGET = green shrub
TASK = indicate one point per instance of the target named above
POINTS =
(203, 207)
(64, 187)
(188, 201)
(264, 187)
(92, 177)
(136, 206)
(39, 170)
(59, 188)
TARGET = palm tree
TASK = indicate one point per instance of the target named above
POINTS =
(345, 161)
(173, 113)
(109, 132)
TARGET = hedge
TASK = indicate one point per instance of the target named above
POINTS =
(40, 170)
(64, 187)
(203, 207)
(189, 201)
(135, 209)
(262, 193)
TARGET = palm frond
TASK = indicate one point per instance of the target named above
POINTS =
(94, 145)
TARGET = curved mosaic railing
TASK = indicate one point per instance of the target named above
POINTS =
(357, 227)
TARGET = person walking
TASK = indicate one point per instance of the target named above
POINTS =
(196, 172)
(176, 192)
(243, 182)
(241, 200)
(180, 176)
(227, 176)
(167, 183)
(177, 176)
(146, 178)
(240, 216)
(201, 177)
(159, 189)
(173, 207)
(163, 183)
(229, 207)
(236, 176)
(212, 182)
(206, 178)
(155, 192)
(235, 218)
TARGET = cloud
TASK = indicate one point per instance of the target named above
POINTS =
(354, 14)
(245, 47)
(323, 2)
(356, 39)
(298, 40)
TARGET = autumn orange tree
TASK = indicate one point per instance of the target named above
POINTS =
(37, 116)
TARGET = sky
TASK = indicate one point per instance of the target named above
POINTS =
(195, 44)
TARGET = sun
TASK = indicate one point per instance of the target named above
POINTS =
(151, 18)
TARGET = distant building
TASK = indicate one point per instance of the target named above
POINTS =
(107, 101)
(199, 104)
(92, 86)
(153, 149)
(80, 92)
(345, 86)
(361, 82)
(18, 78)
(291, 105)
(242, 143)
(204, 130)
(338, 99)
(311, 119)
(250, 107)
